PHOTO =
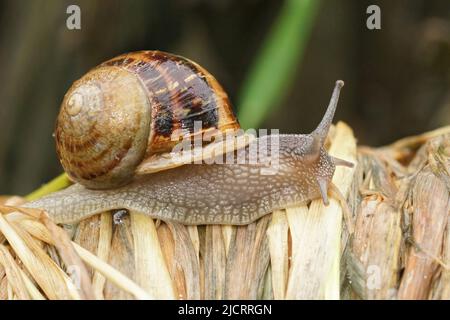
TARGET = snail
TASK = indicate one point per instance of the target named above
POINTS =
(113, 139)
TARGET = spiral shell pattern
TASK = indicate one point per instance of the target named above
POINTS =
(102, 129)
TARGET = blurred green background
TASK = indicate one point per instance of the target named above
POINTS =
(278, 61)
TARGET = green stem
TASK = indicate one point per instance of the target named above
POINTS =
(58, 183)
(271, 74)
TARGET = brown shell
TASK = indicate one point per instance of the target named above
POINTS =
(180, 92)
(125, 111)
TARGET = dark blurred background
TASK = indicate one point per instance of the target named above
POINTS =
(397, 78)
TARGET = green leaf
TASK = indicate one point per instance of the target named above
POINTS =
(60, 182)
(271, 74)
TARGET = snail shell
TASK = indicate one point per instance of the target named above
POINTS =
(121, 116)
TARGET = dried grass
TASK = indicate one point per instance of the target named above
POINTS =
(400, 248)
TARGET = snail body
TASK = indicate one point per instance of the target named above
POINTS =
(218, 193)
(205, 193)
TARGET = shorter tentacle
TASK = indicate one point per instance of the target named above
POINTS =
(323, 187)
(342, 162)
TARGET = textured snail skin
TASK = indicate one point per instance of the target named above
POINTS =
(205, 194)
(217, 193)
